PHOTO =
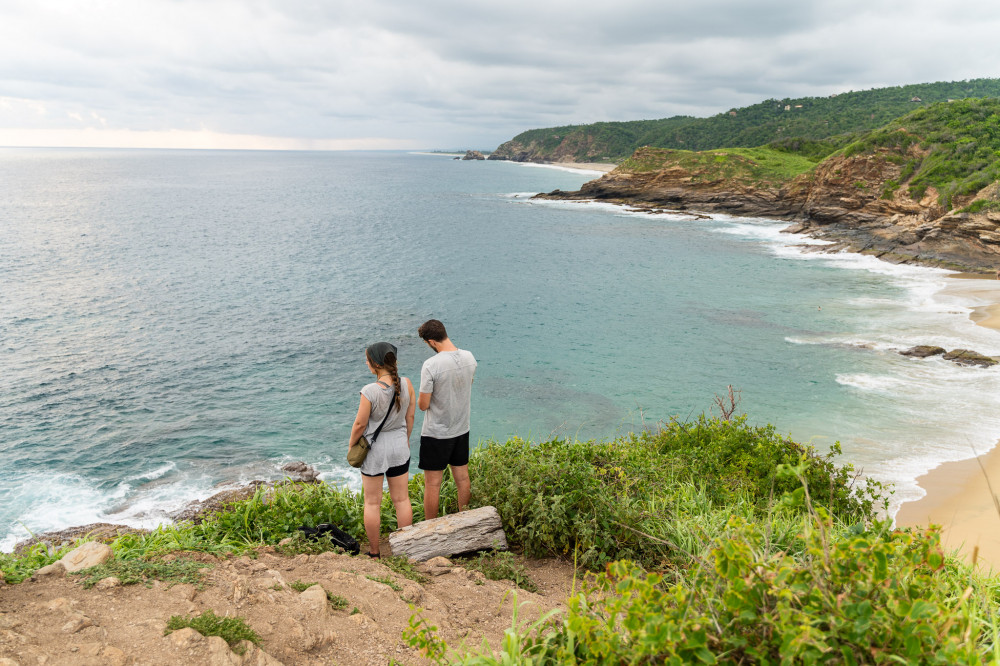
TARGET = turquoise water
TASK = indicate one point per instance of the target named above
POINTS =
(175, 321)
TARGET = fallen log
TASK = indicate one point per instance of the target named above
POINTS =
(464, 532)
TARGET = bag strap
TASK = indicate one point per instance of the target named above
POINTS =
(388, 411)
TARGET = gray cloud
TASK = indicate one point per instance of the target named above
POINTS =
(445, 73)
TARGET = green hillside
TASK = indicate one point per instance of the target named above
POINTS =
(954, 148)
(802, 122)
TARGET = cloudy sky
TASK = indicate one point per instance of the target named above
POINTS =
(414, 74)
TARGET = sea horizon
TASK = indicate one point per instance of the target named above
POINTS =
(182, 322)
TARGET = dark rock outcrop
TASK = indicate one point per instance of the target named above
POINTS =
(305, 473)
(473, 155)
(923, 351)
(969, 357)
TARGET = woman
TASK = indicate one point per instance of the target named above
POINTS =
(390, 453)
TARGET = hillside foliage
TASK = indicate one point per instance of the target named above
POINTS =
(952, 147)
(813, 120)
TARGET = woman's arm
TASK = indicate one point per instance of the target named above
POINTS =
(410, 410)
(360, 421)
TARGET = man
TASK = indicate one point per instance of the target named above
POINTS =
(446, 399)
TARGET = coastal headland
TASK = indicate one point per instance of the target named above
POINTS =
(914, 191)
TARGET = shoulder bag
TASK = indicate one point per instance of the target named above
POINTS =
(356, 454)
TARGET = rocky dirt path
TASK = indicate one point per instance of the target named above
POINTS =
(55, 620)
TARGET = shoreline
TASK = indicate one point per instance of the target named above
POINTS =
(961, 495)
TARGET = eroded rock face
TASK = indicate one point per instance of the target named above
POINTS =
(473, 155)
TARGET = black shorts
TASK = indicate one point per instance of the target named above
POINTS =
(436, 454)
(398, 470)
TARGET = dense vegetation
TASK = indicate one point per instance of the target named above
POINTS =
(810, 119)
(715, 541)
(953, 147)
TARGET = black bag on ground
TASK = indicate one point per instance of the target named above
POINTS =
(338, 536)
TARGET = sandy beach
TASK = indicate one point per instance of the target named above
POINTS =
(587, 166)
(962, 496)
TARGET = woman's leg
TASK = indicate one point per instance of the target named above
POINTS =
(399, 493)
(372, 486)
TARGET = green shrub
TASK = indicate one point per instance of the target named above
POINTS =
(272, 515)
(854, 596)
(18, 567)
(653, 497)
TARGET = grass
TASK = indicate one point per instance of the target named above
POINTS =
(234, 630)
(761, 166)
(132, 572)
(404, 567)
(385, 580)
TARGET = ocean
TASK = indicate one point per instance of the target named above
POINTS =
(177, 322)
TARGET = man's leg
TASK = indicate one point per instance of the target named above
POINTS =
(432, 492)
(463, 484)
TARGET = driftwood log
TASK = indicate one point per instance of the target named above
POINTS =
(464, 532)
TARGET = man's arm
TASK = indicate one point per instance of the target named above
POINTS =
(424, 402)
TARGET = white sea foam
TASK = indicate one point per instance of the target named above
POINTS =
(518, 195)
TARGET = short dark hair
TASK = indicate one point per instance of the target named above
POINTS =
(432, 329)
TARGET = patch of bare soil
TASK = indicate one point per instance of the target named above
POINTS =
(55, 620)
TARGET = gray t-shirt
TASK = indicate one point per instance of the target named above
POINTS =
(392, 448)
(447, 376)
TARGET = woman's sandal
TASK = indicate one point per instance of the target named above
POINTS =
(375, 556)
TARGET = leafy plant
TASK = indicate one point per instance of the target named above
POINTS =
(234, 630)
(17, 567)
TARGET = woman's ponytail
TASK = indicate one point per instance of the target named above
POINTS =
(390, 365)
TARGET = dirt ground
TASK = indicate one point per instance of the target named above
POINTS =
(55, 620)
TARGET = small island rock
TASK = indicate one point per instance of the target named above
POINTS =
(969, 357)
(923, 351)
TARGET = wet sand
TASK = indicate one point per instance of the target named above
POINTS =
(962, 497)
